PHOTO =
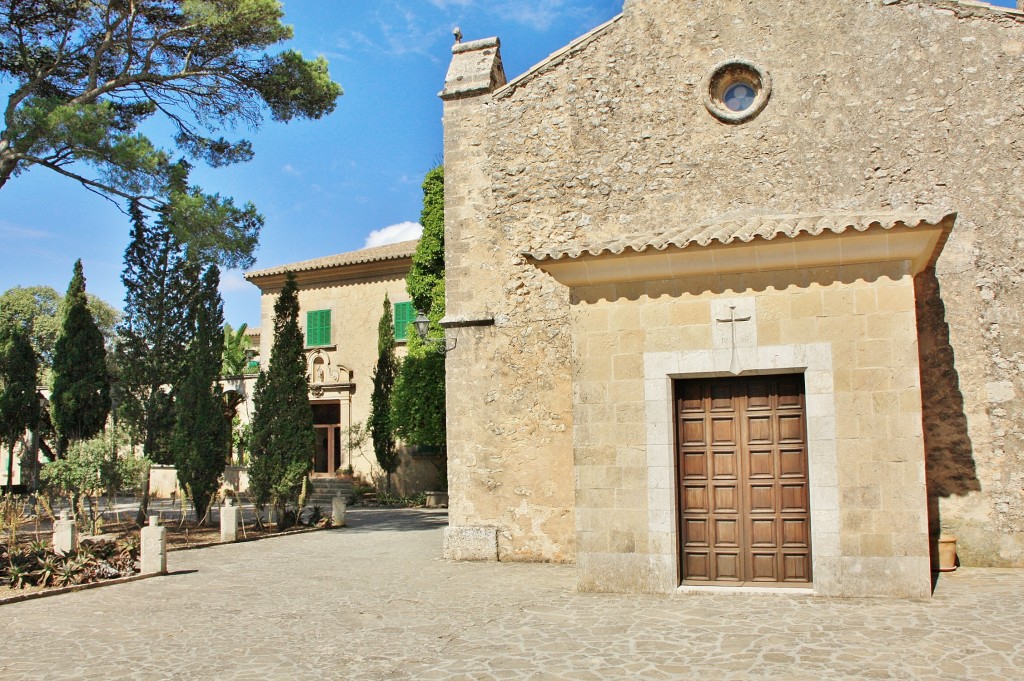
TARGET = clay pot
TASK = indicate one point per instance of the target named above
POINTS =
(947, 553)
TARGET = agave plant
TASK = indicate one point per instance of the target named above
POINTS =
(129, 547)
(18, 575)
(69, 572)
(44, 574)
(38, 547)
(99, 550)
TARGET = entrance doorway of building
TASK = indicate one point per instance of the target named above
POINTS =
(744, 498)
(327, 461)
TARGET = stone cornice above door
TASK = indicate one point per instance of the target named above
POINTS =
(760, 244)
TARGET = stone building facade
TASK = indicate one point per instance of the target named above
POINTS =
(343, 295)
(736, 294)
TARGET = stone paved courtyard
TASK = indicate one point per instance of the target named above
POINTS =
(375, 601)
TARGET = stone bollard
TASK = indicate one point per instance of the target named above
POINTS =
(65, 534)
(338, 505)
(154, 548)
(229, 521)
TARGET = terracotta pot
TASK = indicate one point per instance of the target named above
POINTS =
(947, 553)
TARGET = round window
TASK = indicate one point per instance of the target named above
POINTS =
(736, 90)
(739, 97)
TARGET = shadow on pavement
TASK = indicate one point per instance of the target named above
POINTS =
(394, 519)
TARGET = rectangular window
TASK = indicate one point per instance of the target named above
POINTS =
(318, 328)
(404, 316)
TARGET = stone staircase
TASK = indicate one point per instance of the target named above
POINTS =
(323, 490)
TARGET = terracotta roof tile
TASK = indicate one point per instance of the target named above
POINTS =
(741, 229)
(403, 249)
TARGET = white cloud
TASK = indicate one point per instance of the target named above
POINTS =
(232, 280)
(397, 31)
(536, 14)
(9, 230)
(289, 169)
(403, 231)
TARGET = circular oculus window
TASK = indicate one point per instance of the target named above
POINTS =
(736, 91)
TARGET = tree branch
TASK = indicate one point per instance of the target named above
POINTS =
(101, 49)
(93, 185)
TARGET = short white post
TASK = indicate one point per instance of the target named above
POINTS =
(229, 521)
(154, 548)
(65, 534)
(338, 505)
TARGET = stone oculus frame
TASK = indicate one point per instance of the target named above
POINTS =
(829, 296)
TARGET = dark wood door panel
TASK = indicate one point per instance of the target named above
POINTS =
(744, 487)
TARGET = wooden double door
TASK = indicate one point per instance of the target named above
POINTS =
(744, 495)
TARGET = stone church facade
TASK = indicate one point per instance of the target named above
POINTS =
(736, 294)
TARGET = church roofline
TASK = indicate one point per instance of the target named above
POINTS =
(962, 8)
(556, 58)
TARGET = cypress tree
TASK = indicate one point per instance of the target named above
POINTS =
(381, 426)
(80, 400)
(418, 403)
(282, 443)
(160, 284)
(202, 433)
(19, 409)
(425, 282)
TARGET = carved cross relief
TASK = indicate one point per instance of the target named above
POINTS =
(735, 331)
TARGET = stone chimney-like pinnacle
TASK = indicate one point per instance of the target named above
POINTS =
(475, 69)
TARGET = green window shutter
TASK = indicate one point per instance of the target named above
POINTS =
(404, 316)
(318, 328)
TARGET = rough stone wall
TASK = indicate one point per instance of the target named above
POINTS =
(887, 104)
(508, 385)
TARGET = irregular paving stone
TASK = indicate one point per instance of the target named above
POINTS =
(373, 601)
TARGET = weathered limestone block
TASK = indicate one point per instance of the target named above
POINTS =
(229, 517)
(65, 534)
(467, 542)
(338, 506)
(154, 548)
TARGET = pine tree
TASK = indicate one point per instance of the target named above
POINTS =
(381, 427)
(80, 400)
(19, 408)
(202, 432)
(282, 444)
(418, 403)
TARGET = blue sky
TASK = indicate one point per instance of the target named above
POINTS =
(324, 186)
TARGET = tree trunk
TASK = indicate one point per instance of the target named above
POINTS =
(10, 467)
(7, 162)
(33, 460)
(140, 517)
